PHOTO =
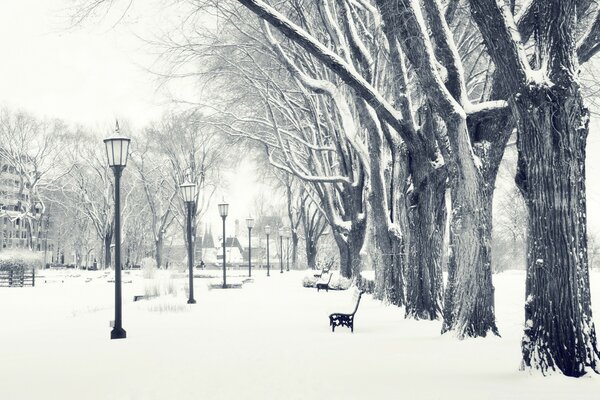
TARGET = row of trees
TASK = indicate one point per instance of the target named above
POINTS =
(65, 189)
(63, 176)
(395, 115)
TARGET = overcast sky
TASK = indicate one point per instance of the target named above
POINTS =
(94, 73)
(89, 74)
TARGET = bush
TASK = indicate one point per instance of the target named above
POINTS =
(14, 259)
(163, 285)
(337, 282)
(309, 281)
(148, 267)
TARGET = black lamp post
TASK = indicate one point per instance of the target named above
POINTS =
(268, 232)
(281, 233)
(188, 190)
(223, 209)
(250, 225)
(288, 234)
(117, 149)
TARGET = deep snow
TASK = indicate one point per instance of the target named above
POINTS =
(268, 340)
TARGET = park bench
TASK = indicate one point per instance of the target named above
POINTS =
(343, 319)
(324, 285)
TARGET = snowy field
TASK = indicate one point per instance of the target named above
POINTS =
(268, 340)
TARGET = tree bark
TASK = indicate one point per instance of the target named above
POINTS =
(158, 251)
(311, 253)
(107, 257)
(559, 332)
(427, 224)
(350, 245)
(469, 297)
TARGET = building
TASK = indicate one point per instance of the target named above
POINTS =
(233, 251)
(207, 251)
(21, 225)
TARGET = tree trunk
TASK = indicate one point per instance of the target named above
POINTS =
(311, 253)
(158, 251)
(469, 297)
(107, 258)
(349, 245)
(559, 332)
(295, 250)
(427, 225)
(387, 238)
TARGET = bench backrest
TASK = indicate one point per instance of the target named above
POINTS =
(356, 298)
(330, 275)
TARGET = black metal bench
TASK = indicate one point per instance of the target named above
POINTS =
(341, 319)
(324, 285)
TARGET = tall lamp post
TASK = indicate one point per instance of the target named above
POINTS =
(250, 225)
(268, 232)
(188, 190)
(288, 234)
(117, 149)
(281, 233)
(223, 209)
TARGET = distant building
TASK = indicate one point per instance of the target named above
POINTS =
(233, 251)
(20, 223)
(207, 251)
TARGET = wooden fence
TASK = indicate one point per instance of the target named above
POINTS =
(17, 277)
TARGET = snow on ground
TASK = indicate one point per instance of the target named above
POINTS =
(268, 340)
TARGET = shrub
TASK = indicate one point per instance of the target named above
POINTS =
(148, 267)
(309, 281)
(14, 259)
(163, 285)
(337, 282)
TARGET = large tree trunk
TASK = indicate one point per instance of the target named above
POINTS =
(350, 245)
(427, 224)
(559, 332)
(107, 240)
(469, 298)
(158, 251)
(386, 234)
(311, 253)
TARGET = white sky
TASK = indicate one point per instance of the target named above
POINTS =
(87, 74)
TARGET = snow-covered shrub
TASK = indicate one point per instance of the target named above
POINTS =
(26, 259)
(337, 281)
(160, 285)
(148, 267)
(366, 281)
(309, 281)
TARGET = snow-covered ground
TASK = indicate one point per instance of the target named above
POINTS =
(268, 340)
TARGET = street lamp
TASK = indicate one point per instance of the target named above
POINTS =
(223, 209)
(188, 190)
(117, 150)
(268, 232)
(250, 225)
(281, 233)
(288, 234)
